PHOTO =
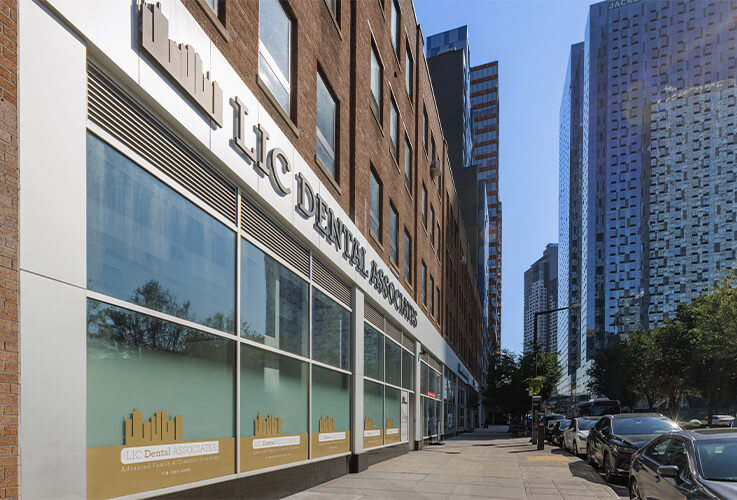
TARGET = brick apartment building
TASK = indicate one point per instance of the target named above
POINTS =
(236, 245)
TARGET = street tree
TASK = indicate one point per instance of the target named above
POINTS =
(548, 368)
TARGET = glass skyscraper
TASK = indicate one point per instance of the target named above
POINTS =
(569, 222)
(655, 129)
(485, 124)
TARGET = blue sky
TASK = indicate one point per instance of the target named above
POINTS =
(531, 40)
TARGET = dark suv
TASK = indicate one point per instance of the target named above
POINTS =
(614, 439)
(686, 465)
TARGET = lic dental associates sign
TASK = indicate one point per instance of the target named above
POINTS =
(142, 454)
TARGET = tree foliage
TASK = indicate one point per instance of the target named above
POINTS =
(695, 352)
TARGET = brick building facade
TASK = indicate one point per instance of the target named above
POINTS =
(304, 134)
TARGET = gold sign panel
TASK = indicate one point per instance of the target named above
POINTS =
(391, 433)
(155, 456)
(268, 447)
(371, 437)
(329, 441)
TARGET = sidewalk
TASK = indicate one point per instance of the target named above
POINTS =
(477, 465)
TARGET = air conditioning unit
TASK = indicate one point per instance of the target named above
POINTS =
(436, 169)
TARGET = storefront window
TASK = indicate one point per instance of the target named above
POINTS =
(423, 378)
(373, 352)
(408, 370)
(273, 409)
(373, 413)
(331, 396)
(140, 363)
(274, 302)
(149, 245)
(393, 363)
(392, 414)
(272, 384)
(331, 331)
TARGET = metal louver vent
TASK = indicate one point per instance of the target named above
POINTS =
(373, 316)
(120, 115)
(408, 342)
(394, 332)
(326, 279)
(264, 230)
(435, 364)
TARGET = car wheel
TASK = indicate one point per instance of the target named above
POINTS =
(575, 448)
(635, 490)
(589, 457)
(609, 470)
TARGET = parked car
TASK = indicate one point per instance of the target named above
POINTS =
(550, 420)
(686, 465)
(614, 438)
(556, 435)
(574, 437)
(725, 420)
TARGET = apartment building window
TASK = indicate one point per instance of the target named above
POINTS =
(375, 202)
(432, 150)
(275, 51)
(437, 240)
(437, 298)
(423, 292)
(407, 257)
(424, 205)
(431, 228)
(424, 127)
(395, 26)
(394, 127)
(326, 128)
(333, 4)
(432, 296)
(376, 86)
(393, 234)
(214, 5)
(409, 70)
(408, 164)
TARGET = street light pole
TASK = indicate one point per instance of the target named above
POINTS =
(535, 429)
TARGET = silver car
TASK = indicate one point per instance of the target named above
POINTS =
(574, 437)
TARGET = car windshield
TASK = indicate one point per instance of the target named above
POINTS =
(717, 459)
(584, 425)
(643, 425)
(564, 424)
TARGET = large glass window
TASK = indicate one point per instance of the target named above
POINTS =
(392, 414)
(393, 363)
(424, 369)
(275, 50)
(376, 86)
(375, 195)
(424, 128)
(274, 302)
(331, 331)
(373, 352)
(407, 257)
(408, 370)
(326, 126)
(272, 384)
(408, 164)
(393, 234)
(144, 364)
(373, 406)
(394, 128)
(331, 397)
(431, 227)
(148, 245)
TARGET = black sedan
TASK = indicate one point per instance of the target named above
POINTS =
(556, 435)
(550, 420)
(686, 465)
(614, 439)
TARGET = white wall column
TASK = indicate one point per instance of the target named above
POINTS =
(357, 368)
(419, 423)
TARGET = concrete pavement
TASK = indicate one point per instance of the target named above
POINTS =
(482, 464)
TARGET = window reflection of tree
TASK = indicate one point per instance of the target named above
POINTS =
(118, 329)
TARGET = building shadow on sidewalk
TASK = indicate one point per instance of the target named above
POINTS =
(583, 470)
